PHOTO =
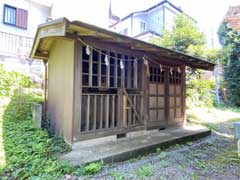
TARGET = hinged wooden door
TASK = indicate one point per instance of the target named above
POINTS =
(156, 97)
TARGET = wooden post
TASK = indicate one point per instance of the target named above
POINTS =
(90, 60)
(135, 74)
(135, 104)
(107, 111)
(120, 109)
(167, 108)
(77, 101)
(144, 103)
(113, 110)
(99, 70)
(124, 111)
(95, 112)
(101, 112)
(175, 94)
(87, 113)
(115, 72)
(45, 90)
(129, 73)
(108, 72)
(183, 84)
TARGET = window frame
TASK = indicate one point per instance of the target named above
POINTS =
(11, 24)
(5, 6)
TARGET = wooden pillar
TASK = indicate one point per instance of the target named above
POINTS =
(99, 70)
(183, 85)
(77, 94)
(124, 111)
(120, 98)
(129, 72)
(166, 83)
(90, 60)
(115, 72)
(108, 71)
(45, 90)
(135, 74)
(145, 95)
(175, 93)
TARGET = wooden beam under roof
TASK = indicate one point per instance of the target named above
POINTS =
(59, 28)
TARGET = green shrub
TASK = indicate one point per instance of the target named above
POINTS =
(200, 93)
(30, 153)
(93, 168)
(145, 171)
(118, 176)
(232, 83)
(9, 81)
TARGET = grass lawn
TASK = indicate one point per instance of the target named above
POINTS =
(29, 153)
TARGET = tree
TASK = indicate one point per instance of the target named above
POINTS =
(183, 35)
(186, 37)
(230, 40)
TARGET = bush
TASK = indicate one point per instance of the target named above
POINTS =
(232, 83)
(9, 81)
(200, 93)
(29, 152)
(93, 168)
(144, 171)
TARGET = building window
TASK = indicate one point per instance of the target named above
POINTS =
(142, 26)
(15, 16)
(125, 31)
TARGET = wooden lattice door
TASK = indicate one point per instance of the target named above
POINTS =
(176, 94)
(156, 97)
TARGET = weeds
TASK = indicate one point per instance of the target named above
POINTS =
(93, 168)
(118, 176)
(29, 152)
(145, 171)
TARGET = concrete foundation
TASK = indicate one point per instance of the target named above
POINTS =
(110, 149)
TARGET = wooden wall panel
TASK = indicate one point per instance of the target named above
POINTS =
(60, 88)
(178, 90)
(171, 90)
(161, 114)
(152, 88)
(161, 102)
(161, 89)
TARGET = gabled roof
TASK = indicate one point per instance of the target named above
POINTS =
(64, 29)
(148, 32)
(149, 9)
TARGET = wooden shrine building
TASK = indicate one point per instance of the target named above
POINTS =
(102, 83)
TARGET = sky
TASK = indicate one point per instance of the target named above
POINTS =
(208, 13)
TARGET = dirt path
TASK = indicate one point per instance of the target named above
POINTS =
(214, 157)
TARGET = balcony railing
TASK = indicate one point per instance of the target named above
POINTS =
(15, 45)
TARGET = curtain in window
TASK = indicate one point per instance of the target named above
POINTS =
(10, 15)
(21, 18)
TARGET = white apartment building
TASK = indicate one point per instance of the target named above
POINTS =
(18, 23)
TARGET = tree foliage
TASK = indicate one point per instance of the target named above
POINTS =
(186, 37)
(183, 34)
(230, 40)
(11, 80)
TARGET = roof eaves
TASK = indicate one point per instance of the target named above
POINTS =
(145, 32)
(111, 33)
(37, 35)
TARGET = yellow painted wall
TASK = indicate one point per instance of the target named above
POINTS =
(60, 87)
